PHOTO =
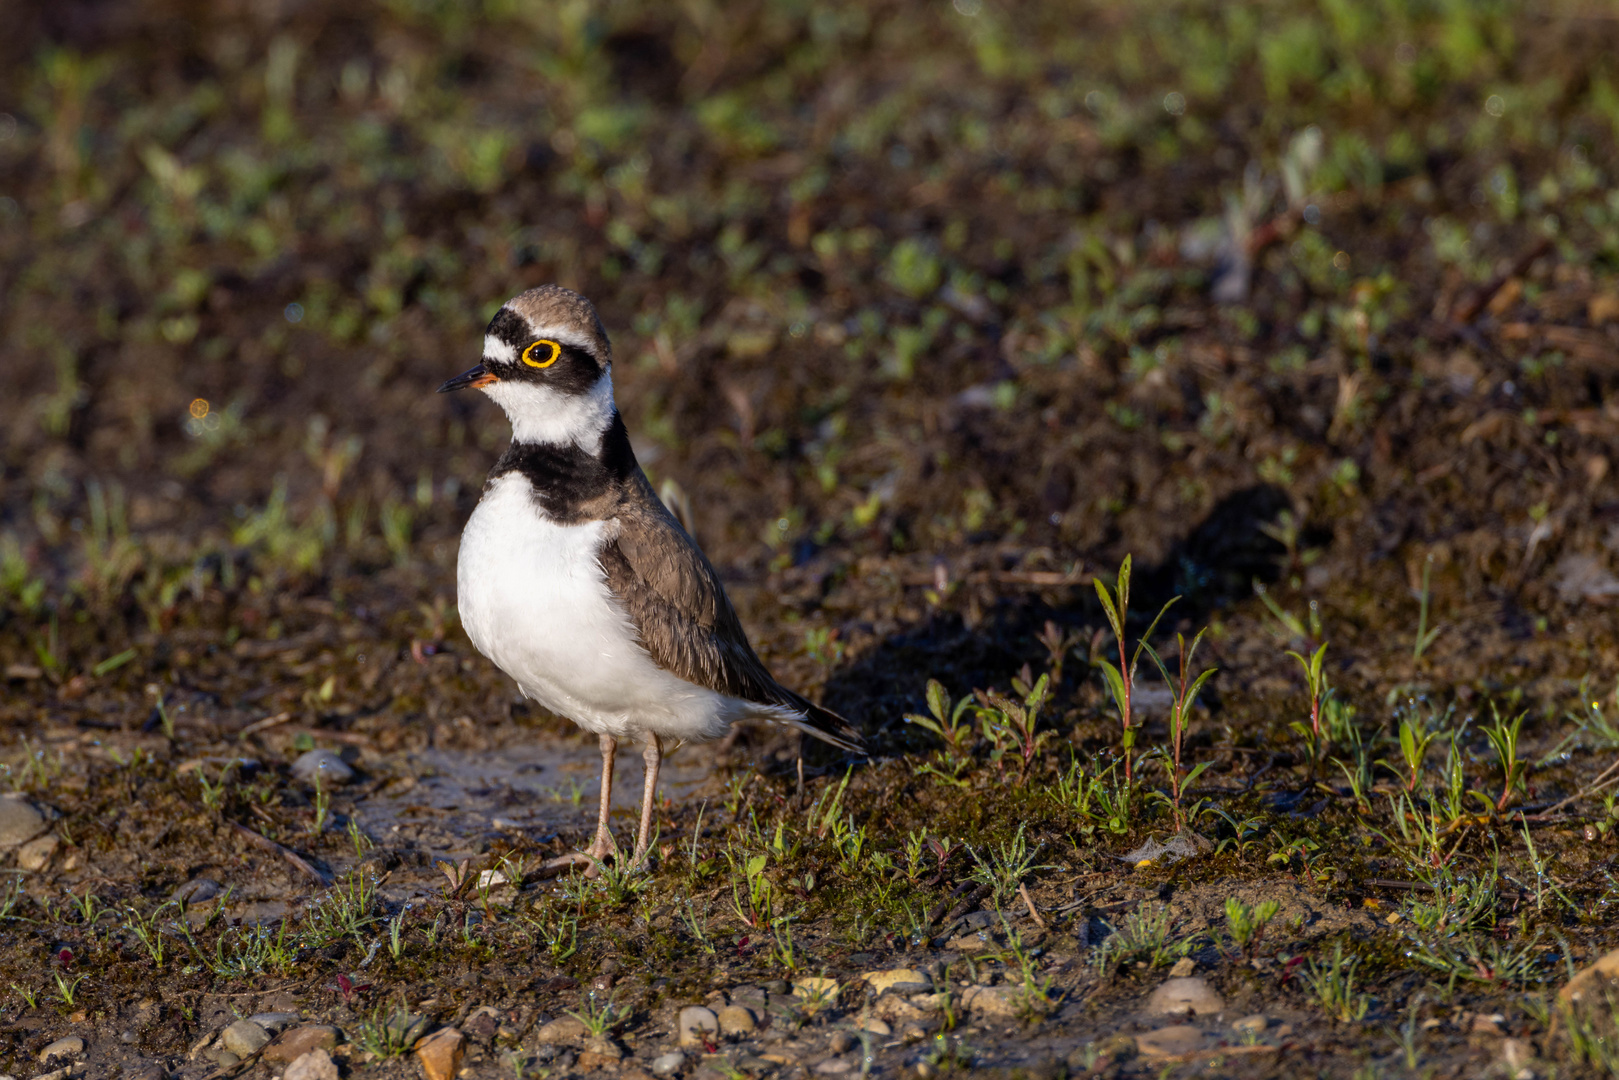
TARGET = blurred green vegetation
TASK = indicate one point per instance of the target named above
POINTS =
(884, 279)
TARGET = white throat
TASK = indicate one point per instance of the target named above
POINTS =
(541, 415)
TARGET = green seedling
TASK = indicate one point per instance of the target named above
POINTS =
(1006, 867)
(1247, 924)
(1425, 636)
(1010, 724)
(1316, 678)
(950, 724)
(66, 988)
(1332, 982)
(598, 1017)
(1186, 690)
(1121, 679)
(1413, 751)
(1503, 737)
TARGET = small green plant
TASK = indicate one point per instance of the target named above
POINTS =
(1414, 745)
(1121, 679)
(1006, 867)
(1247, 924)
(1143, 939)
(598, 1017)
(1406, 1037)
(1503, 737)
(950, 724)
(66, 988)
(323, 808)
(1332, 983)
(1186, 691)
(388, 1033)
(1100, 796)
(1010, 724)
(396, 934)
(1315, 677)
(358, 839)
(1425, 636)
(30, 996)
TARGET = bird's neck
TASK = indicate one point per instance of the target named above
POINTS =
(572, 483)
(543, 416)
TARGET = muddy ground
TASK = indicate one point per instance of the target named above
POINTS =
(932, 313)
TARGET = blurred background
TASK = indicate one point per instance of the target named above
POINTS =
(931, 309)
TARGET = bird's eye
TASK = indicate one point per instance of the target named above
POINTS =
(542, 354)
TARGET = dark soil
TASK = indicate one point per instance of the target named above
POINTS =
(933, 314)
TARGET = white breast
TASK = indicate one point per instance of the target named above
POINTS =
(534, 599)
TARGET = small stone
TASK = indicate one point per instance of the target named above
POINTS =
(876, 1027)
(1517, 1055)
(323, 766)
(896, 1009)
(898, 980)
(315, 1065)
(993, 1001)
(1488, 1024)
(197, 891)
(1590, 982)
(1250, 1025)
(33, 855)
(294, 1043)
(1170, 1041)
(842, 1042)
(440, 1053)
(274, 1021)
(778, 986)
(244, 1038)
(599, 1051)
(911, 1031)
(563, 1031)
(223, 1058)
(20, 822)
(1185, 997)
(69, 1047)
(668, 1064)
(817, 988)
(1183, 967)
(697, 1026)
(836, 1066)
(736, 1020)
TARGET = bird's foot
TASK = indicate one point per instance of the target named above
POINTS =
(563, 863)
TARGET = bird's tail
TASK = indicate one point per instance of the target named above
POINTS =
(829, 727)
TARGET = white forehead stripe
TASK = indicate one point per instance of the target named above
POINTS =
(567, 336)
(496, 349)
(539, 414)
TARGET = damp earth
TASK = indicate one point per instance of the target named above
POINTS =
(929, 317)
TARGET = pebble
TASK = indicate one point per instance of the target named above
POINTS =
(668, 1064)
(244, 1038)
(315, 1065)
(1591, 981)
(197, 891)
(697, 1025)
(598, 1052)
(33, 855)
(19, 821)
(294, 1043)
(71, 1046)
(842, 1042)
(324, 765)
(1170, 1041)
(1185, 997)
(836, 1066)
(225, 1059)
(736, 1020)
(1183, 967)
(274, 1021)
(898, 980)
(996, 1001)
(912, 1031)
(818, 988)
(440, 1053)
(876, 1027)
(563, 1031)
(1250, 1025)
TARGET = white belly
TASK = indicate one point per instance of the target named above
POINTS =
(534, 599)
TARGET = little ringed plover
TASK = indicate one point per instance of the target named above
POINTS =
(576, 580)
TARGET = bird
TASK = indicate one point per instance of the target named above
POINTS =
(575, 579)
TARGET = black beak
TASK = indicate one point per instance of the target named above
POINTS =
(477, 377)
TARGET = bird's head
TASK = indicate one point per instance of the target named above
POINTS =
(548, 364)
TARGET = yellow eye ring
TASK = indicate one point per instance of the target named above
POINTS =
(544, 360)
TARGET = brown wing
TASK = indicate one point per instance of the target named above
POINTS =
(685, 620)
